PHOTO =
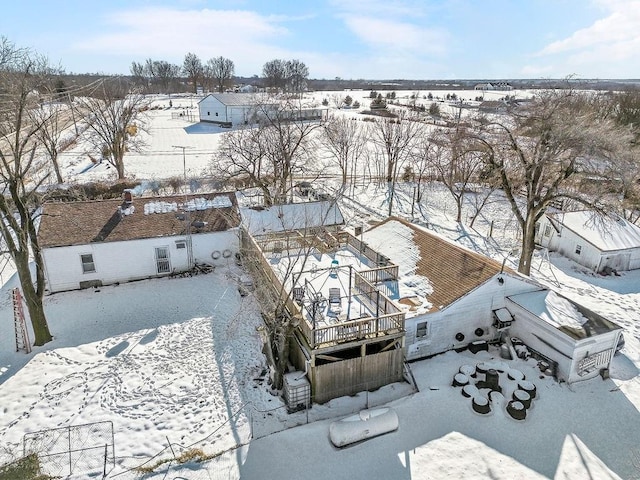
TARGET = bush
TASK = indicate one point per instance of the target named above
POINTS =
(175, 183)
(380, 113)
(25, 468)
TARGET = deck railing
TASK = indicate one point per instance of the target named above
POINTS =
(385, 318)
(380, 274)
(349, 331)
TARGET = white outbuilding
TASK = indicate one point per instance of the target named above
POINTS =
(601, 243)
(228, 109)
(233, 109)
(579, 342)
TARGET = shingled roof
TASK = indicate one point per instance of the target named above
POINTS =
(81, 223)
(452, 270)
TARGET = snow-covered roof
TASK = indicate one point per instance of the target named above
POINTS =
(82, 223)
(443, 270)
(233, 99)
(290, 216)
(563, 314)
(606, 233)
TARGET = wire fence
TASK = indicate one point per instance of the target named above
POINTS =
(87, 449)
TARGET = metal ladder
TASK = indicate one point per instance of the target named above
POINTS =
(22, 336)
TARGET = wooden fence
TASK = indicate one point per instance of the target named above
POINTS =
(354, 375)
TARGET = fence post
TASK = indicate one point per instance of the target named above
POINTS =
(70, 460)
(104, 465)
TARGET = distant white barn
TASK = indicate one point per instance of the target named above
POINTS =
(232, 109)
(600, 243)
(227, 108)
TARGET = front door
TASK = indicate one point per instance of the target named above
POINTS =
(163, 264)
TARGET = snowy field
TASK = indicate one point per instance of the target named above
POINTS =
(176, 365)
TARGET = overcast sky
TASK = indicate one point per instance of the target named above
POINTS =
(351, 39)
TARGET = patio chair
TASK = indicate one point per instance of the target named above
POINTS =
(335, 301)
(298, 294)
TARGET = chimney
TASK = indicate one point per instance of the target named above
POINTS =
(127, 196)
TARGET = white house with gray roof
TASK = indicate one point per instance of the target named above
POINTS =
(601, 243)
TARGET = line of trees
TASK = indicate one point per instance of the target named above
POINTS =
(562, 145)
(216, 74)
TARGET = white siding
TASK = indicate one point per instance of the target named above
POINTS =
(132, 260)
(544, 338)
(603, 344)
(473, 311)
(216, 249)
(212, 110)
(560, 347)
(567, 245)
(238, 115)
(590, 256)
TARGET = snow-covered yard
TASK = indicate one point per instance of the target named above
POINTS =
(177, 364)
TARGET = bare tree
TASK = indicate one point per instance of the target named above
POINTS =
(51, 118)
(140, 75)
(268, 152)
(115, 121)
(288, 141)
(297, 74)
(164, 73)
(275, 74)
(296, 237)
(221, 71)
(542, 152)
(394, 140)
(192, 68)
(458, 163)
(242, 155)
(624, 108)
(23, 74)
(345, 139)
(421, 160)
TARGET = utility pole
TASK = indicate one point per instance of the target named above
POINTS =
(187, 213)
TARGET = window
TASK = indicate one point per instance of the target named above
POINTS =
(421, 330)
(180, 244)
(578, 249)
(87, 263)
(216, 114)
(208, 114)
(547, 230)
(162, 260)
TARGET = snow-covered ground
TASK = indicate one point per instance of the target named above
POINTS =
(176, 364)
